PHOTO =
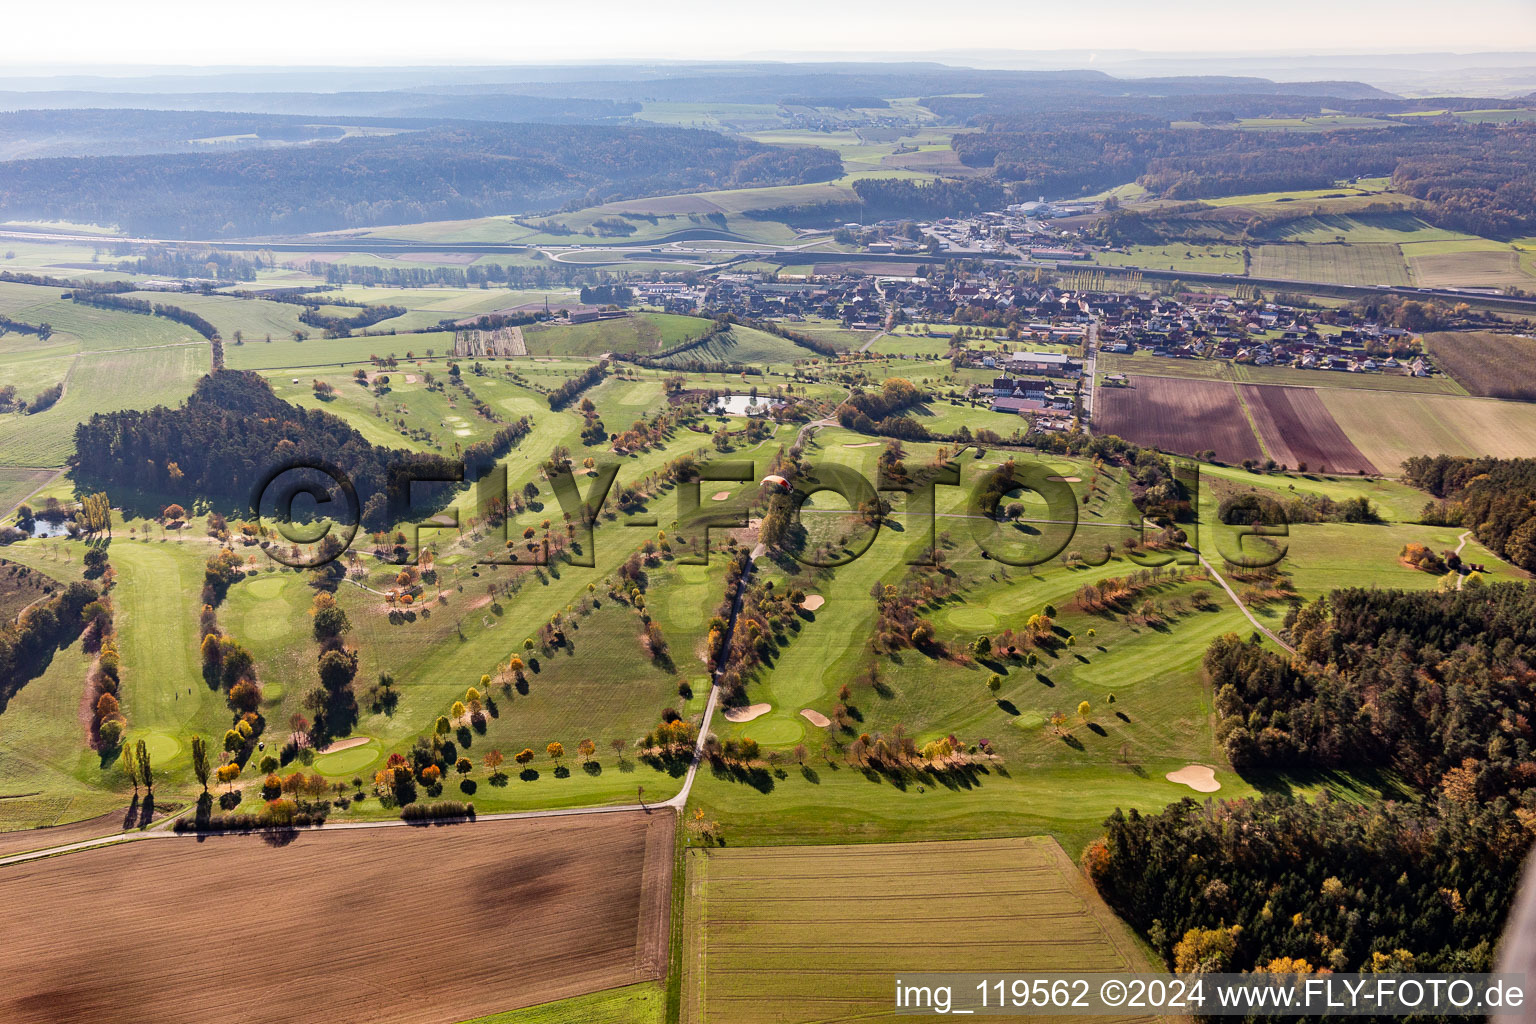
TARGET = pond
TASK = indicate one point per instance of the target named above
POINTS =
(741, 405)
(49, 528)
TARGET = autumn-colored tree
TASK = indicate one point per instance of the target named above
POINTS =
(586, 748)
(995, 683)
(457, 711)
(493, 761)
(1083, 708)
(431, 774)
(443, 726)
(1205, 950)
(524, 756)
(130, 767)
(555, 752)
(464, 766)
(228, 773)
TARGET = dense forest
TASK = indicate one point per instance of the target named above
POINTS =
(1477, 178)
(233, 433)
(1433, 689)
(1494, 498)
(438, 173)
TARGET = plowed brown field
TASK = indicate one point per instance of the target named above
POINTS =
(1297, 428)
(1178, 415)
(409, 925)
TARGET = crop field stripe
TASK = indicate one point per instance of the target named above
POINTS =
(1295, 427)
(356, 936)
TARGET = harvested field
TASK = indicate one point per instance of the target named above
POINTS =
(789, 933)
(350, 933)
(1388, 428)
(1470, 270)
(1297, 428)
(1486, 364)
(1357, 263)
(1179, 415)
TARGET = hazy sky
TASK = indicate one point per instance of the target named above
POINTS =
(375, 32)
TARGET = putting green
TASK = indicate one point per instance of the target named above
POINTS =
(345, 762)
(773, 731)
(1029, 720)
(161, 748)
(971, 617)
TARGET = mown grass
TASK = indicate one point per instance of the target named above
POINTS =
(644, 1003)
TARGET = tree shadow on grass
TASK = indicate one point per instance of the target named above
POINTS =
(592, 768)
(1008, 707)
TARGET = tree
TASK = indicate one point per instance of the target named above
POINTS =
(228, 773)
(443, 726)
(1082, 711)
(141, 755)
(493, 762)
(130, 768)
(618, 746)
(995, 683)
(524, 756)
(556, 752)
(200, 761)
(464, 766)
(586, 748)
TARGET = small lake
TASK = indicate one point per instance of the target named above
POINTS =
(49, 528)
(741, 405)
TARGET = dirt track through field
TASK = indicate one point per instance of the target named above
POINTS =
(417, 926)
(1297, 428)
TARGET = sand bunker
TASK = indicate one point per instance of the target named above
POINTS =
(816, 718)
(410, 378)
(1065, 479)
(864, 444)
(719, 495)
(813, 602)
(346, 744)
(1197, 777)
(746, 714)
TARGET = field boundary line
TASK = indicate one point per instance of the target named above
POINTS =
(1242, 403)
(110, 840)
